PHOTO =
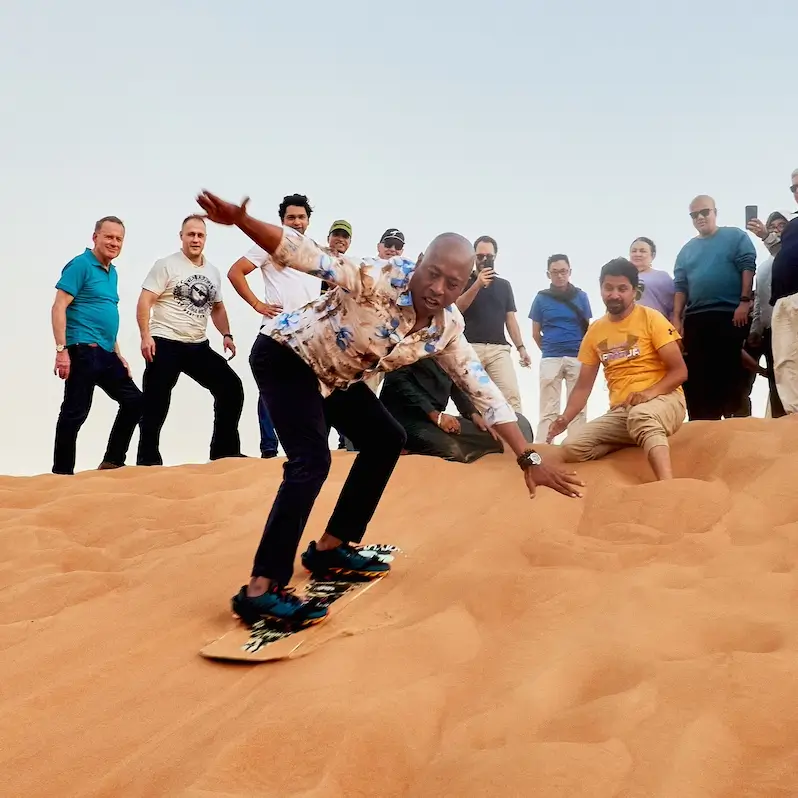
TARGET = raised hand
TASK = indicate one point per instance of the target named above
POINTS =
(219, 210)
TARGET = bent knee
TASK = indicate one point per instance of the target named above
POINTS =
(575, 451)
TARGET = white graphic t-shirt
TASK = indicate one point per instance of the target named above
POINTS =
(187, 294)
(283, 286)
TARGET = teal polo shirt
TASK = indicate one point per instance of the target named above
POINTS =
(93, 315)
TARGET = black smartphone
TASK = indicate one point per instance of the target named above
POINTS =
(751, 212)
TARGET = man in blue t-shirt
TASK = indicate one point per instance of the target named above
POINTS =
(713, 277)
(85, 325)
(560, 316)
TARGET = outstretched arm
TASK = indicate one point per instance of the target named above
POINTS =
(287, 247)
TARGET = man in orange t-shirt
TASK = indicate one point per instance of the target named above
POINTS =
(643, 364)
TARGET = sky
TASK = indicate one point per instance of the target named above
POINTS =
(554, 128)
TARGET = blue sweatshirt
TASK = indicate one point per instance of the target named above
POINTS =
(709, 270)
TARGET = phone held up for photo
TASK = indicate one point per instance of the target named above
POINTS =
(487, 263)
(751, 212)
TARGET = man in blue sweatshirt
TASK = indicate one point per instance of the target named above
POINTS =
(713, 277)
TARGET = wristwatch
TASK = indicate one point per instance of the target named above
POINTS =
(228, 335)
(60, 348)
(528, 459)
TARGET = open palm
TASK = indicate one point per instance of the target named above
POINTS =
(220, 211)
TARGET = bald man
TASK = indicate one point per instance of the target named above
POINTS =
(311, 369)
(713, 277)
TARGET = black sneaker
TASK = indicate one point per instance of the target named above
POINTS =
(279, 607)
(344, 562)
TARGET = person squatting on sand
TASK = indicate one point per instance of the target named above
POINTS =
(643, 364)
(85, 319)
(311, 369)
(180, 293)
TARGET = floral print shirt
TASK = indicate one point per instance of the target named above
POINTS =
(361, 326)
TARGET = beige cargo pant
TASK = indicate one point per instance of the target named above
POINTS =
(646, 425)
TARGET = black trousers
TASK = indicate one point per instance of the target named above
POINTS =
(776, 407)
(211, 371)
(303, 419)
(426, 437)
(715, 373)
(92, 366)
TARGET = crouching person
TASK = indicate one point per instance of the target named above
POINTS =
(644, 368)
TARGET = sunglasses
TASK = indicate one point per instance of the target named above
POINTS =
(794, 188)
(704, 212)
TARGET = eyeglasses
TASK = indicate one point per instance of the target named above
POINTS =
(704, 212)
(482, 256)
(794, 188)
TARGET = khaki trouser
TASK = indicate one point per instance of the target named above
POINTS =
(553, 372)
(496, 360)
(646, 425)
(784, 328)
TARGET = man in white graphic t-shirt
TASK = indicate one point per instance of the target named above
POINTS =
(284, 290)
(179, 295)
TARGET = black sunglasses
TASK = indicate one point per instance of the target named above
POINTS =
(703, 212)
(794, 188)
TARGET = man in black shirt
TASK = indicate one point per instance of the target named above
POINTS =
(416, 396)
(784, 324)
(488, 306)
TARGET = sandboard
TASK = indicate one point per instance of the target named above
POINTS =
(262, 643)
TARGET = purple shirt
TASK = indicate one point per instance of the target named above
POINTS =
(656, 291)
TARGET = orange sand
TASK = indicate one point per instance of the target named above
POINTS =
(639, 643)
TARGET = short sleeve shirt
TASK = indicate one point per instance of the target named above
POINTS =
(628, 350)
(485, 317)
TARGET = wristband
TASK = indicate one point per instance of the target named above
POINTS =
(440, 416)
(228, 335)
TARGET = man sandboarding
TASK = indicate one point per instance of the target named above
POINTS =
(311, 368)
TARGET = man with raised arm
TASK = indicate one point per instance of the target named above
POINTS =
(311, 368)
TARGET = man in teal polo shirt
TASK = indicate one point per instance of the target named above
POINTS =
(85, 325)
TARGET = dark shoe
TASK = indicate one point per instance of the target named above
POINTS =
(268, 455)
(279, 607)
(343, 562)
(106, 466)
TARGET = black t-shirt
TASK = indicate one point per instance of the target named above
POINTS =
(784, 277)
(486, 315)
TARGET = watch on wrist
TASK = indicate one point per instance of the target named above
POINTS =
(528, 459)
(228, 335)
(60, 348)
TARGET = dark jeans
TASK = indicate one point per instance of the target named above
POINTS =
(776, 407)
(92, 366)
(715, 373)
(303, 420)
(268, 438)
(211, 371)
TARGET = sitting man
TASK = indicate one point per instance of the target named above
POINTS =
(416, 396)
(643, 364)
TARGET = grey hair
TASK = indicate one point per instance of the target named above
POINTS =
(794, 174)
(100, 222)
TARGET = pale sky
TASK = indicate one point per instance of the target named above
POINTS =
(554, 128)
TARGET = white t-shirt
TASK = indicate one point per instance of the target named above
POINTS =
(283, 286)
(187, 294)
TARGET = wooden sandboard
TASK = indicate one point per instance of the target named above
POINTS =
(263, 644)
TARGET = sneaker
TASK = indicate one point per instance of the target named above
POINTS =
(278, 606)
(344, 562)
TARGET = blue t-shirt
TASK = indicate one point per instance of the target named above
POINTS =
(709, 270)
(93, 315)
(560, 327)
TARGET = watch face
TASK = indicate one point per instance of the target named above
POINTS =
(534, 458)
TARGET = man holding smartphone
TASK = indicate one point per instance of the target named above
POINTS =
(488, 307)
(713, 278)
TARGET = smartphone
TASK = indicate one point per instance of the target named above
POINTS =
(751, 212)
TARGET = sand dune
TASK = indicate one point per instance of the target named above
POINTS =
(639, 643)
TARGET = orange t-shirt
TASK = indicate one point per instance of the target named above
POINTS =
(628, 350)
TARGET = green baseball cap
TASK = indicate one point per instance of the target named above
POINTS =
(341, 224)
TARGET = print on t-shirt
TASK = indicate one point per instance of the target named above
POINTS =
(195, 295)
(625, 351)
